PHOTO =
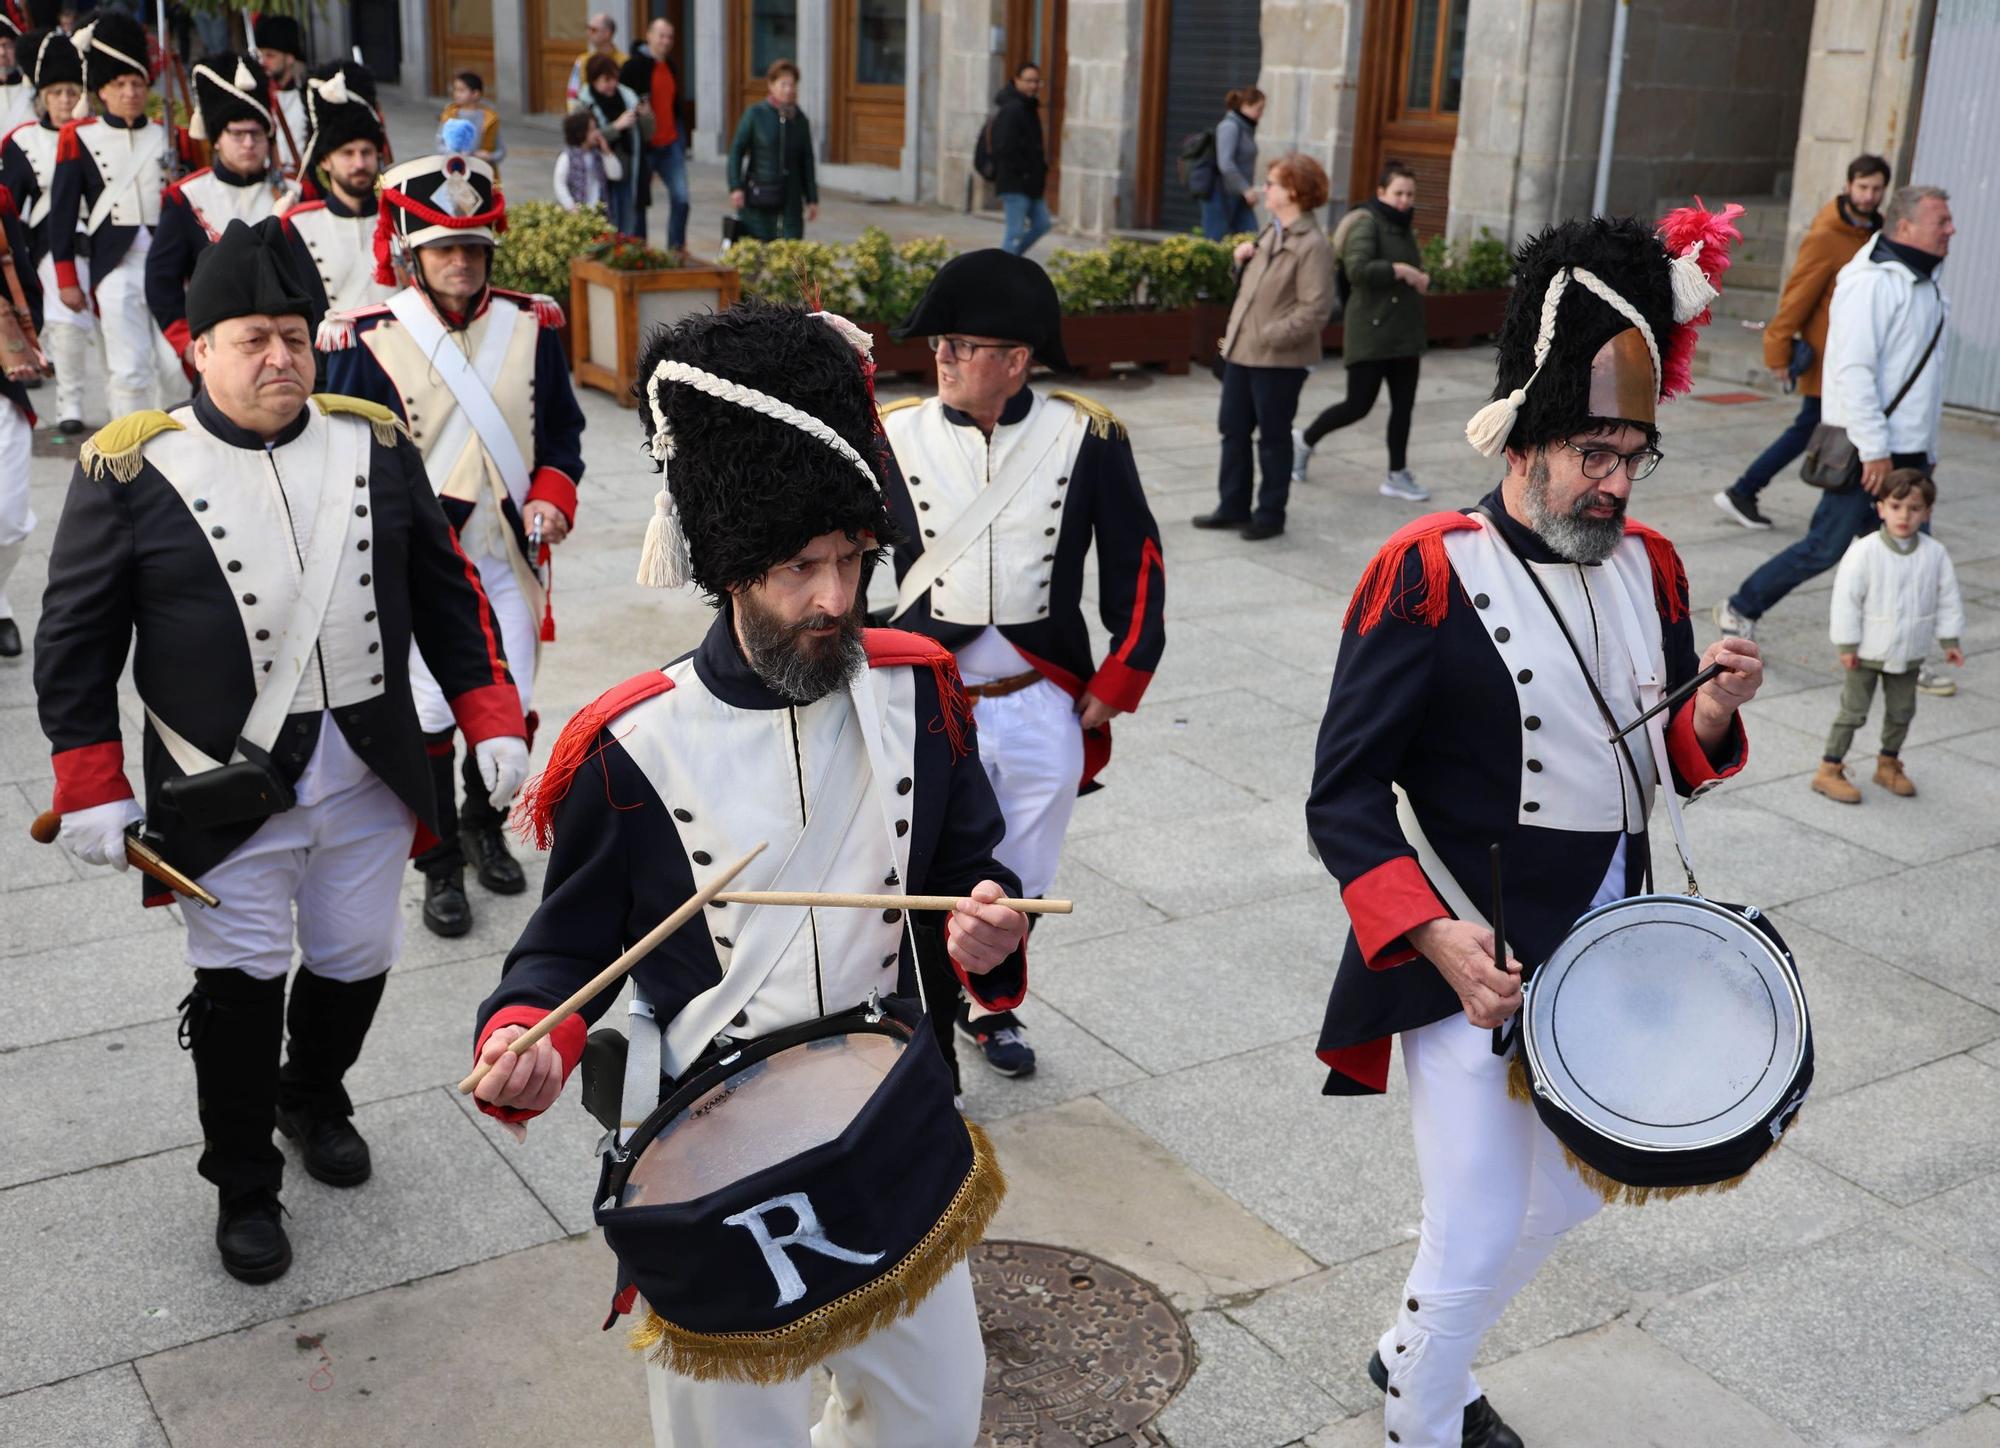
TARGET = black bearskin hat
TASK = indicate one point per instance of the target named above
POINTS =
(992, 293)
(228, 88)
(47, 58)
(746, 486)
(341, 107)
(8, 29)
(111, 45)
(279, 32)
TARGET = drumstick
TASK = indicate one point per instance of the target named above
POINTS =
(48, 824)
(823, 901)
(1499, 944)
(1671, 699)
(611, 973)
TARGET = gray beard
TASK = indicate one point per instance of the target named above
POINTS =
(797, 667)
(1571, 534)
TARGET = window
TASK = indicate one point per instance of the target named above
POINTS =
(1434, 68)
(880, 48)
(469, 17)
(774, 33)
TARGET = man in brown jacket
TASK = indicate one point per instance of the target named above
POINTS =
(1841, 228)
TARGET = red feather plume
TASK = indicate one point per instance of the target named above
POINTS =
(1679, 230)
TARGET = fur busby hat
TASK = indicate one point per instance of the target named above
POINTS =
(8, 29)
(762, 419)
(279, 32)
(992, 293)
(1601, 324)
(111, 45)
(250, 271)
(341, 107)
(47, 58)
(436, 199)
(228, 88)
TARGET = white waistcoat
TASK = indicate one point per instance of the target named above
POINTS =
(138, 204)
(1003, 576)
(216, 203)
(732, 777)
(38, 144)
(1571, 773)
(343, 250)
(255, 508)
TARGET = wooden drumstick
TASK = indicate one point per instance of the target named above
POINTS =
(822, 900)
(1499, 944)
(613, 972)
(48, 824)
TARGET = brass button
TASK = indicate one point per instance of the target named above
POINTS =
(374, 678)
(1048, 532)
(1412, 1305)
(201, 505)
(1062, 482)
(723, 941)
(742, 1018)
(701, 857)
(924, 507)
(1394, 1391)
(930, 532)
(891, 878)
(366, 579)
(368, 617)
(1056, 504)
(888, 961)
(375, 648)
(914, 480)
(361, 482)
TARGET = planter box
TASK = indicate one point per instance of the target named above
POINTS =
(1207, 323)
(611, 313)
(1451, 319)
(1094, 343)
(911, 358)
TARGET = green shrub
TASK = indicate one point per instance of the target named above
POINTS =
(541, 237)
(1189, 268)
(1482, 264)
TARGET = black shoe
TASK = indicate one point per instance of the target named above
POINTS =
(1258, 532)
(1216, 520)
(70, 426)
(252, 1240)
(1742, 507)
(1481, 1426)
(333, 1150)
(486, 851)
(446, 910)
(10, 639)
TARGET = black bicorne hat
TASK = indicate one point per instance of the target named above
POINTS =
(111, 45)
(992, 293)
(341, 107)
(47, 58)
(228, 88)
(249, 271)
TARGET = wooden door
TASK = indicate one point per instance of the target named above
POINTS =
(1196, 52)
(464, 31)
(760, 31)
(1037, 30)
(871, 56)
(1413, 67)
(557, 34)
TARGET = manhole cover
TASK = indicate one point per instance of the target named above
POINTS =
(1079, 1353)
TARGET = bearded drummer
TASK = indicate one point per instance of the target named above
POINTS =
(773, 506)
(1479, 659)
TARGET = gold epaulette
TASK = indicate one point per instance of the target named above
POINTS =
(384, 422)
(1102, 421)
(900, 403)
(118, 449)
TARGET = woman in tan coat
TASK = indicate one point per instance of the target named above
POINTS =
(1284, 296)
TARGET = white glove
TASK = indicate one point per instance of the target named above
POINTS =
(503, 764)
(96, 835)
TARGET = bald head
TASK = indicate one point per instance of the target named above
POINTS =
(602, 30)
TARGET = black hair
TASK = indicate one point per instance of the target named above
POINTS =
(472, 80)
(1869, 164)
(1025, 66)
(576, 128)
(1391, 169)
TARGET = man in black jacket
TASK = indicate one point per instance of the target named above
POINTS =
(651, 75)
(1021, 163)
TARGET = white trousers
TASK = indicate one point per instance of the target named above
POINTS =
(520, 635)
(1032, 748)
(1497, 1196)
(918, 1383)
(17, 519)
(68, 337)
(341, 860)
(140, 368)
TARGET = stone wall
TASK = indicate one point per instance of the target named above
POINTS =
(1101, 115)
(1310, 78)
(969, 75)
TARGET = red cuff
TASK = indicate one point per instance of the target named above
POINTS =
(1691, 761)
(491, 711)
(66, 274)
(1120, 685)
(1001, 988)
(91, 775)
(568, 1039)
(178, 337)
(1384, 905)
(556, 489)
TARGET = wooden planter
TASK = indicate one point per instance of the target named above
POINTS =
(1208, 322)
(612, 312)
(1451, 319)
(912, 358)
(1095, 342)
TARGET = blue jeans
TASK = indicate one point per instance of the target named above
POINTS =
(1263, 400)
(1791, 442)
(1027, 221)
(621, 205)
(669, 163)
(1224, 214)
(1839, 519)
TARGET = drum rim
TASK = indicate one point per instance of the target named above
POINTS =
(1548, 1091)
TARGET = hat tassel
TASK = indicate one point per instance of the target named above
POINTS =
(663, 559)
(1488, 428)
(1692, 290)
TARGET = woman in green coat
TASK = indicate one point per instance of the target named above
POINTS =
(771, 181)
(1382, 326)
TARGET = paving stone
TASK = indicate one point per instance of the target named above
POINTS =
(1172, 788)
(1203, 660)
(104, 1409)
(1960, 1221)
(1749, 853)
(101, 907)
(1242, 1395)
(1911, 1135)
(558, 1161)
(1957, 808)
(1812, 710)
(1082, 1176)
(1211, 863)
(1979, 1428)
(509, 1351)
(24, 862)
(1917, 1340)
(1103, 907)
(128, 1249)
(1240, 580)
(1777, 751)
(1983, 746)
(1300, 635)
(56, 991)
(1278, 769)
(1921, 922)
(1070, 1062)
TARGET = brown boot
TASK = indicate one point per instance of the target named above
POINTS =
(1889, 774)
(1832, 781)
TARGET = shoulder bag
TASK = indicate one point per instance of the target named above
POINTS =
(1831, 461)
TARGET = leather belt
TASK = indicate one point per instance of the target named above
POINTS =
(1000, 688)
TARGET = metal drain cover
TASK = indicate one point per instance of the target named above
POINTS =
(1079, 1353)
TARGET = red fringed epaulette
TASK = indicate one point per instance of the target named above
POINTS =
(893, 647)
(1670, 580)
(68, 147)
(535, 811)
(1381, 593)
(548, 311)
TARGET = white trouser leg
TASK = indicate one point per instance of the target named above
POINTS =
(520, 633)
(131, 369)
(17, 519)
(918, 1383)
(67, 337)
(1497, 1195)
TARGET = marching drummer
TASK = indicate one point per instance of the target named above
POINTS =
(773, 507)
(1481, 657)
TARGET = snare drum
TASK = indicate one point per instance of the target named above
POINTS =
(795, 1195)
(1666, 1043)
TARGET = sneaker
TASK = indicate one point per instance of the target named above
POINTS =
(1302, 455)
(1729, 621)
(1001, 1042)
(1742, 508)
(1939, 686)
(1399, 484)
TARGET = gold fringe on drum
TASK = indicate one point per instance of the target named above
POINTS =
(774, 1357)
(1614, 1192)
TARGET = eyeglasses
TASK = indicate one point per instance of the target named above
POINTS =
(1600, 463)
(954, 348)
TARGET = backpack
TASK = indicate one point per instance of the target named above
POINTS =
(1343, 288)
(1195, 162)
(982, 149)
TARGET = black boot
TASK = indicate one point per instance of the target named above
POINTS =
(328, 1020)
(10, 639)
(481, 834)
(233, 1026)
(1480, 1428)
(446, 910)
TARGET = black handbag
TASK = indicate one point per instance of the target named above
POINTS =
(1831, 462)
(764, 195)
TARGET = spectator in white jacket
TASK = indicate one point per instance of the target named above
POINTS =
(1894, 595)
(587, 165)
(1884, 330)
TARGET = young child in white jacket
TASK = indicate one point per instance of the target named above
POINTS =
(1894, 594)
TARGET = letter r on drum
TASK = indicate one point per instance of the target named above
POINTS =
(806, 1234)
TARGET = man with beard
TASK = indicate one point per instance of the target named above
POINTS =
(281, 54)
(344, 150)
(773, 507)
(1481, 657)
